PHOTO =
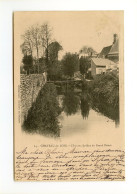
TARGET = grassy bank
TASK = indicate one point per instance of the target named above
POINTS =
(104, 92)
(43, 115)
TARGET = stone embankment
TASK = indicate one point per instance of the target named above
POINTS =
(30, 86)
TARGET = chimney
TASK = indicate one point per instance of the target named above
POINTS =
(115, 38)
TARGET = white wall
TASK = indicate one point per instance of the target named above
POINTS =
(100, 70)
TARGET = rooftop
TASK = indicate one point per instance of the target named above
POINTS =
(105, 51)
(102, 62)
(115, 48)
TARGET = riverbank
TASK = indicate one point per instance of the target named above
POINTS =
(42, 115)
(104, 92)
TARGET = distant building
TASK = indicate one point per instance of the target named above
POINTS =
(114, 51)
(94, 55)
(87, 52)
(111, 52)
(83, 55)
(100, 66)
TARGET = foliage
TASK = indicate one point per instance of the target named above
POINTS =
(105, 88)
(55, 72)
(89, 76)
(42, 66)
(37, 42)
(43, 115)
(70, 64)
(28, 62)
(87, 50)
(54, 68)
(100, 94)
(83, 65)
(54, 48)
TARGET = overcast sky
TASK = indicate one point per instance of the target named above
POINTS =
(73, 30)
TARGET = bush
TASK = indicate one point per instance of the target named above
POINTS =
(28, 62)
(105, 87)
(43, 115)
(70, 64)
(104, 92)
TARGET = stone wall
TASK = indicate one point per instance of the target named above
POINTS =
(30, 86)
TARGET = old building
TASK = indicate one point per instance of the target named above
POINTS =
(114, 51)
(111, 52)
(105, 52)
(100, 66)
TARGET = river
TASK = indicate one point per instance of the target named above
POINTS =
(78, 118)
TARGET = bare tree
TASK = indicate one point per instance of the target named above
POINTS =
(28, 44)
(46, 34)
(35, 32)
(25, 49)
(36, 39)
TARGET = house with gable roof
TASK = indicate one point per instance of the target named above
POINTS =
(101, 65)
(111, 52)
(114, 51)
(105, 52)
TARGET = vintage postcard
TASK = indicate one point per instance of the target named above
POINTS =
(69, 96)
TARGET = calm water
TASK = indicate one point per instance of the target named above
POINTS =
(80, 115)
(71, 113)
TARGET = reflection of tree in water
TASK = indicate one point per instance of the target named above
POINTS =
(43, 115)
(85, 106)
(107, 110)
(73, 101)
(84, 100)
(70, 102)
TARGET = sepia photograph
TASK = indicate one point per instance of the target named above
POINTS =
(68, 88)
(68, 92)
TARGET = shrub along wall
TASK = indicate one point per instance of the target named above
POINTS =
(43, 115)
(104, 91)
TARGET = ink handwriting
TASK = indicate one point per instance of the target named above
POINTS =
(75, 164)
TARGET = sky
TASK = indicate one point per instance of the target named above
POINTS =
(73, 30)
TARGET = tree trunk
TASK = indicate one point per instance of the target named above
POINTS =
(38, 68)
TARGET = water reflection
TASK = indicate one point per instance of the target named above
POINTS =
(71, 103)
(43, 116)
(85, 104)
(75, 100)
(106, 110)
